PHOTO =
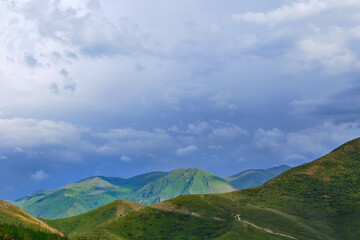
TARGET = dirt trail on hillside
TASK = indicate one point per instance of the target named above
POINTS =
(237, 216)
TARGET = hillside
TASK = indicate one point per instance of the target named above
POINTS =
(20, 232)
(318, 200)
(181, 182)
(83, 196)
(255, 177)
(150, 188)
(10, 214)
(80, 224)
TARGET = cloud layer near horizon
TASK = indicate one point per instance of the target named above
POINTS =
(98, 87)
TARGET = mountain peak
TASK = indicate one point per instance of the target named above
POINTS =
(182, 181)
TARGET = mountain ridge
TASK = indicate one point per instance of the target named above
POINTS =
(149, 188)
(317, 200)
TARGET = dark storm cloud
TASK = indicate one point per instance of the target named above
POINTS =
(340, 106)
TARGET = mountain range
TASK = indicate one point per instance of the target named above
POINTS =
(150, 188)
(317, 200)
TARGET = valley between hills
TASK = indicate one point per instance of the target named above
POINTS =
(317, 200)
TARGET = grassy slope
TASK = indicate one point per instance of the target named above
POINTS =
(318, 200)
(13, 215)
(181, 182)
(20, 232)
(255, 177)
(77, 225)
(106, 221)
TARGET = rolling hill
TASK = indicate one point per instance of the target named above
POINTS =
(318, 200)
(255, 177)
(181, 182)
(10, 214)
(78, 225)
(83, 196)
(150, 188)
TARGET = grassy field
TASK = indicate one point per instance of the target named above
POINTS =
(318, 200)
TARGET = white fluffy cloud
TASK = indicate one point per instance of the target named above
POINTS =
(39, 175)
(19, 133)
(186, 150)
(125, 158)
(295, 11)
(310, 43)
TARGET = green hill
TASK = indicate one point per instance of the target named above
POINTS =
(12, 216)
(83, 196)
(318, 200)
(94, 192)
(181, 182)
(255, 177)
(150, 188)
(78, 225)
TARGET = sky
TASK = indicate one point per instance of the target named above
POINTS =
(120, 88)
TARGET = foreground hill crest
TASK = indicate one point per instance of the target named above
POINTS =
(12, 215)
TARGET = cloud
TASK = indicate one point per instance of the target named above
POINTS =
(306, 143)
(125, 158)
(39, 175)
(328, 50)
(30, 60)
(68, 83)
(216, 147)
(336, 105)
(56, 54)
(198, 128)
(18, 150)
(68, 155)
(54, 88)
(100, 80)
(72, 55)
(186, 150)
(64, 72)
(295, 158)
(229, 132)
(65, 142)
(140, 68)
(302, 40)
(295, 11)
(129, 140)
(22, 133)
(90, 31)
